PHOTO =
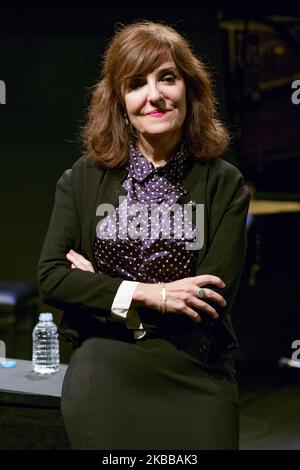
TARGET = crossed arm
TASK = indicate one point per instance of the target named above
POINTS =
(62, 286)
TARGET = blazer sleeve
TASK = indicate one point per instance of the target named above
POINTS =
(227, 235)
(59, 285)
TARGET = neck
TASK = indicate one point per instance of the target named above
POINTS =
(158, 150)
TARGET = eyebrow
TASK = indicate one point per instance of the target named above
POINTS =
(168, 69)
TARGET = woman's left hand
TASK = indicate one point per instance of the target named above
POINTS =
(80, 262)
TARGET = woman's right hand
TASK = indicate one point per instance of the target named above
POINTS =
(182, 296)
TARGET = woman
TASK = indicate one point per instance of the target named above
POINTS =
(147, 291)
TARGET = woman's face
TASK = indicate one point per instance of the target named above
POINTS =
(156, 104)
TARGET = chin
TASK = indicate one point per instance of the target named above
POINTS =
(158, 130)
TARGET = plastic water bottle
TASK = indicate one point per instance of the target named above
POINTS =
(45, 345)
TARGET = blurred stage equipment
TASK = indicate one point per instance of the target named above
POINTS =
(287, 362)
(18, 310)
(262, 61)
(265, 207)
(260, 207)
(16, 300)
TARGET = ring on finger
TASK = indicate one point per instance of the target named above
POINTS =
(201, 294)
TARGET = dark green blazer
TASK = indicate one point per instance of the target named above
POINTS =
(84, 295)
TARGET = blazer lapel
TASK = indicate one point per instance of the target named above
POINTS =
(195, 183)
(106, 189)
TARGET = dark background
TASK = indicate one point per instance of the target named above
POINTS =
(50, 55)
(49, 58)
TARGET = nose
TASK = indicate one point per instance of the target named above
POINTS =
(154, 92)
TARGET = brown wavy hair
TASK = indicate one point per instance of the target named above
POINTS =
(136, 50)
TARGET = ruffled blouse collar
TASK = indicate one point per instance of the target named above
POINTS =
(139, 167)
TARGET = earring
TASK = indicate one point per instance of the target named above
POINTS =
(126, 120)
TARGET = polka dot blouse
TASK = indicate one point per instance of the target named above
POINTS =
(148, 245)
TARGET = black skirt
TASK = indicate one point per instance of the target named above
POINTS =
(146, 394)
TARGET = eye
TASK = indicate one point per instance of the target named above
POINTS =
(169, 78)
(136, 83)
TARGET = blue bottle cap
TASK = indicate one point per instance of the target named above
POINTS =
(8, 364)
(46, 317)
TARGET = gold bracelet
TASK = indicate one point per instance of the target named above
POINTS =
(163, 298)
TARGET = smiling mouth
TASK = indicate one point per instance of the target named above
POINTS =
(157, 113)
